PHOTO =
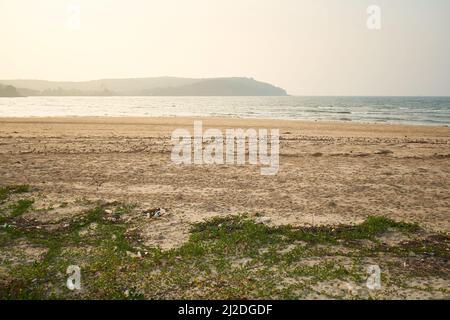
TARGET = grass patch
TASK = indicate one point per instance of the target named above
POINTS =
(10, 211)
(20, 207)
(225, 258)
(240, 229)
(32, 281)
(6, 191)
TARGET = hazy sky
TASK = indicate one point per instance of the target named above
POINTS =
(316, 47)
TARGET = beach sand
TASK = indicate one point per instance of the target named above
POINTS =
(330, 173)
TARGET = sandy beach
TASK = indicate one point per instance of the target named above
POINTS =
(330, 173)
(190, 150)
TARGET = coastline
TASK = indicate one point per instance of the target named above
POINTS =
(323, 127)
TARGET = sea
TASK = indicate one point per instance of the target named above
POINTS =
(398, 110)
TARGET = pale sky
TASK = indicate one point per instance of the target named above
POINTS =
(316, 47)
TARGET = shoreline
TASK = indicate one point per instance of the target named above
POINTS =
(164, 125)
(5, 119)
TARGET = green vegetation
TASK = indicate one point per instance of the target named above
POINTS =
(224, 258)
(5, 192)
(237, 230)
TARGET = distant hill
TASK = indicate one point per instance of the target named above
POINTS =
(9, 91)
(222, 87)
(161, 86)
